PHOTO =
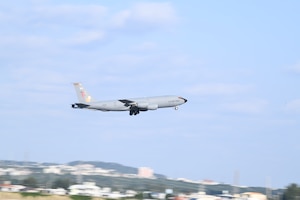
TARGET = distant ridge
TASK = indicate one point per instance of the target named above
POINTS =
(110, 165)
(107, 165)
(120, 182)
(100, 164)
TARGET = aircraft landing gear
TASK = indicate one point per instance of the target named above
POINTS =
(134, 111)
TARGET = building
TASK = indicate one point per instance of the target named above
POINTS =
(7, 187)
(145, 172)
(254, 196)
(86, 189)
(52, 170)
(57, 191)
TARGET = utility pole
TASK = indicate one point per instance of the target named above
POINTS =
(236, 183)
(79, 174)
(201, 189)
(268, 188)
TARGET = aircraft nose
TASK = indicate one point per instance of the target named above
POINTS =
(185, 100)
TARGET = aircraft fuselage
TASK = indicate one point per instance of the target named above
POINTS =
(147, 103)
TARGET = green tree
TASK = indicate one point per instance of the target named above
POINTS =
(61, 183)
(292, 192)
(30, 182)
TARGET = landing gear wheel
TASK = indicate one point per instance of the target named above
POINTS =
(134, 111)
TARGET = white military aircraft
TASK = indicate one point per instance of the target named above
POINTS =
(134, 105)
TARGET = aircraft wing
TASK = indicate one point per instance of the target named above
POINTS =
(127, 102)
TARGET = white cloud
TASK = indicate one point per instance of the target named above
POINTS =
(38, 42)
(119, 20)
(41, 16)
(53, 25)
(82, 14)
(4, 16)
(295, 67)
(146, 14)
(38, 80)
(254, 106)
(35, 91)
(25, 40)
(218, 89)
(293, 106)
(154, 13)
(68, 10)
(132, 61)
(145, 46)
(85, 37)
(56, 25)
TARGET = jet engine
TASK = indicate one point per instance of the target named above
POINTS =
(147, 106)
(142, 105)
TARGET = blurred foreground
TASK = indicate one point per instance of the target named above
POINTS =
(17, 196)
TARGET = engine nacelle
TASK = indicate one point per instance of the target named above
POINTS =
(143, 105)
(146, 106)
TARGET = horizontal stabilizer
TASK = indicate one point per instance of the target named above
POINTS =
(79, 105)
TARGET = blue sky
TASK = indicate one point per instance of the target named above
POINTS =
(237, 63)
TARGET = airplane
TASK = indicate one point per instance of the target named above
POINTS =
(133, 105)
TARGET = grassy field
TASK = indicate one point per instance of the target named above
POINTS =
(17, 196)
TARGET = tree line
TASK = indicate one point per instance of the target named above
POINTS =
(291, 192)
(31, 182)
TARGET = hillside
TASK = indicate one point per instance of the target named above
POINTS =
(115, 166)
(35, 166)
(117, 183)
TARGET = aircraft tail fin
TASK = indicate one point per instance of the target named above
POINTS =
(82, 94)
